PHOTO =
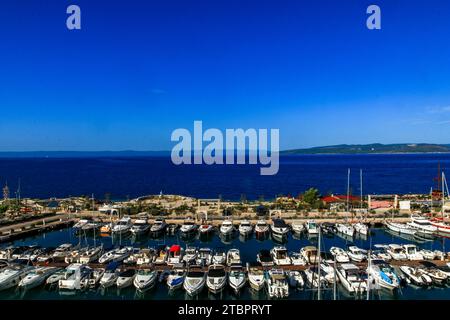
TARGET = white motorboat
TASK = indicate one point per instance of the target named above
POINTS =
(158, 227)
(161, 255)
(226, 228)
(380, 252)
(400, 228)
(295, 279)
(145, 279)
(245, 228)
(145, 256)
(174, 255)
(340, 254)
(237, 278)
(194, 282)
(422, 225)
(190, 255)
(116, 255)
(438, 276)
(427, 254)
(122, 226)
(91, 227)
(233, 257)
(219, 257)
(313, 279)
(297, 259)
(352, 278)
(357, 254)
(297, 227)
(188, 227)
(280, 256)
(417, 276)
(383, 275)
(216, 278)
(411, 252)
(204, 257)
(61, 252)
(140, 227)
(309, 253)
(361, 228)
(91, 254)
(279, 228)
(206, 229)
(37, 277)
(110, 275)
(264, 257)
(80, 223)
(256, 278)
(261, 228)
(345, 229)
(312, 227)
(74, 277)
(277, 286)
(95, 277)
(441, 225)
(176, 278)
(74, 255)
(53, 280)
(125, 278)
(396, 251)
(328, 267)
(11, 275)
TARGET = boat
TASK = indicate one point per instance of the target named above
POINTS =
(106, 228)
(261, 228)
(438, 276)
(422, 225)
(256, 279)
(176, 278)
(74, 276)
(123, 226)
(125, 278)
(161, 255)
(297, 227)
(11, 275)
(309, 253)
(190, 255)
(216, 278)
(194, 282)
(37, 277)
(91, 227)
(73, 255)
(158, 227)
(295, 279)
(219, 257)
(226, 228)
(279, 228)
(340, 255)
(204, 257)
(327, 265)
(79, 224)
(312, 228)
(312, 277)
(145, 279)
(361, 228)
(383, 275)
(53, 280)
(245, 228)
(237, 277)
(110, 275)
(145, 256)
(352, 278)
(400, 228)
(417, 276)
(411, 252)
(427, 254)
(233, 257)
(297, 259)
(265, 258)
(345, 229)
(116, 255)
(441, 225)
(357, 254)
(171, 229)
(188, 227)
(61, 252)
(91, 255)
(206, 229)
(174, 255)
(94, 278)
(140, 227)
(396, 251)
(277, 286)
(328, 228)
(280, 256)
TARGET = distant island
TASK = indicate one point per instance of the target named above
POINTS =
(373, 149)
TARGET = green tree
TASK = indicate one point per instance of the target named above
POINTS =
(311, 196)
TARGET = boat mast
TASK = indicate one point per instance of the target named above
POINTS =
(334, 283)
(443, 193)
(368, 276)
(348, 189)
(318, 267)
(361, 187)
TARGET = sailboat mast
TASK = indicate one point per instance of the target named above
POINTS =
(443, 193)
(348, 189)
(361, 187)
(318, 266)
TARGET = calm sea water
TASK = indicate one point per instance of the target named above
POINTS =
(248, 247)
(137, 176)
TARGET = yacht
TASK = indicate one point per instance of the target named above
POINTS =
(417, 276)
(441, 225)
(74, 276)
(176, 278)
(174, 255)
(190, 255)
(91, 227)
(400, 228)
(340, 255)
(297, 259)
(280, 256)
(383, 275)
(91, 255)
(312, 277)
(312, 227)
(237, 277)
(194, 282)
(245, 228)
(125, 278)
(80, 223)
(422, 225)
(158, 227)
(277, 286)
(396, 251)
(161, 255)
(145, 279)
(37, 277)
(411, 252)
(361, 228)
(227, 227)
(206, 229)
(74, 255)
(352, 278)
(95, 277)
(122, 226)
(145, 256)
(295, 279)
(256, 278)
(438, 276)
(309, 253)
(204, 257)
(233, 257)
(219, 257)
(188, 227)
(279, 228)
(140, 227)
(346, 229)
(116, 255)
(61, 252)
(264, 257)
(297, 227)
(356, 254)
(216, 278)
(427, 254)
(11, 275)
(261, 228)
(53, 280)
(110, 275)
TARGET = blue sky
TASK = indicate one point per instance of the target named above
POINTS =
(139, 69)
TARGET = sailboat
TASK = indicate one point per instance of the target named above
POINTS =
(442, 227)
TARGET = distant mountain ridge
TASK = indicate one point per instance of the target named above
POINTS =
(373, 149)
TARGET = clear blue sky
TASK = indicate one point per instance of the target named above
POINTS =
(139, 69)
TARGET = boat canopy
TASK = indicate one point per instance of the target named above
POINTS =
(279, 223)
(175, 248)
